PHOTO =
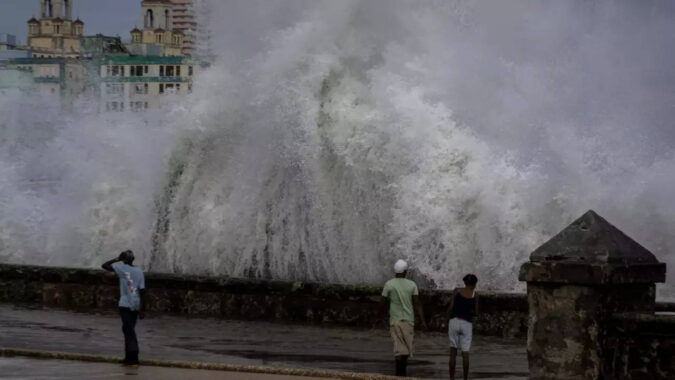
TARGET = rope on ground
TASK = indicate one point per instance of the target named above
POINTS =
(40, 354)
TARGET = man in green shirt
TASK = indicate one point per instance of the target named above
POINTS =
(402, 295)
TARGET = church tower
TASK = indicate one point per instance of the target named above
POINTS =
(157, 36)
(55, 34)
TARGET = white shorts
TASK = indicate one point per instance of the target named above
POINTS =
(460, 333)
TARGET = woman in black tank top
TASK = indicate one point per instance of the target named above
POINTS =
(463, 307)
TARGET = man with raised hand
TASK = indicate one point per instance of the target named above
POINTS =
(402, 295)
(132, 287)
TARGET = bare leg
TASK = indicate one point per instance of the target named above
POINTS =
(465, 364)
(453, 361)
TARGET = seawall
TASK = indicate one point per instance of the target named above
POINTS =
(91, 290)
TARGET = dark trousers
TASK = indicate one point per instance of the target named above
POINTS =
(130, 343)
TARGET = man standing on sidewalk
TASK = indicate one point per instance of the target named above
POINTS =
(132, 286)
(402, 295)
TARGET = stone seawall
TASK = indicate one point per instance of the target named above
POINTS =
(641, 346)
(502, 314)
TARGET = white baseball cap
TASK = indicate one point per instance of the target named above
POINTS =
(400, 266)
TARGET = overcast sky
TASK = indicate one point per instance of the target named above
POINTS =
(109, 17)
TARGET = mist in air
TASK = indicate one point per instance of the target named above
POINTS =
(331, 138)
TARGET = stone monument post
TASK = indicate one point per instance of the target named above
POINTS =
(575, 282)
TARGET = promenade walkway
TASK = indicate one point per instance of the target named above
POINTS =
(27, 368)
(242, 343)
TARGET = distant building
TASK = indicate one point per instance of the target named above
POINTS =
(7, 41)
(9, 48)
(191, 17)
(157, 38)
(136, 83)
(183, 20)
(94, 49)
(99, 46)
(60, 80)
(55, 34)
(13, 79)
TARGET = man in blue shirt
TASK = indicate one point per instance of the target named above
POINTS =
(132, 287)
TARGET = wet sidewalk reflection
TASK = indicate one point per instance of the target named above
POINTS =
(253, 343)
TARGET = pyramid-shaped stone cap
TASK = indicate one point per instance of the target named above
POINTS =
(591, 239)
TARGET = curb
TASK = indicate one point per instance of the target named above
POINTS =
(40, 354)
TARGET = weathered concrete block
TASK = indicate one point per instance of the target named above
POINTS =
(575, 282)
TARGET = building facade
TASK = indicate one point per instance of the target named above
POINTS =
(9, 48)
(55, 34)
(137, 83)
(157, 38)
(184, 20)
(7, 42)
(59, 80)
(192, 17)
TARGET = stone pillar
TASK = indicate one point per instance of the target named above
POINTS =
(575, 281)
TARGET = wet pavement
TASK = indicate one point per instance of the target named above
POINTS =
(253, 343)
(34, 369)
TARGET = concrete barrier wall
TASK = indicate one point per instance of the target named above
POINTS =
(640, 346)
(232, 298)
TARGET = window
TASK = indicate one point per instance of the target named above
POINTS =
(107, 71)
(167, 19)
(161, 71)
(177, 71)
(169, 71)
(158, 37)
(145, 69)
(189, 88)
(190, 70)
(115, 71)
(161, 88)
(135, 71)
(114, 88)
(58, 28)
(135, 106)
(141, 88)
(177, 87)
(149, 19)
